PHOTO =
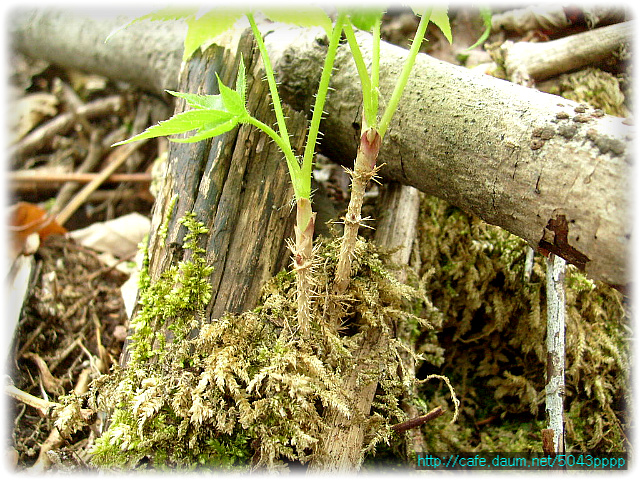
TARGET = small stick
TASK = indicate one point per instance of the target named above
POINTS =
(418, 421)
(35, 177)
(62, 123)
(43, 406)
(526, 62)
(118, 157)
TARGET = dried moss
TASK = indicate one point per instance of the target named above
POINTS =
(245, 390)
(494, 341)
(594, 86)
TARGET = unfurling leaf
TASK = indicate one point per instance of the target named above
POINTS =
(211, 102)
(233, 101)
(365, 18)
(212, 115)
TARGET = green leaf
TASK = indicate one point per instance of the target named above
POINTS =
(183, 122)
(302, 16)
(212, 130)
(211, 102)
(486, 14)
(164, 14)
(233, 101)
(170, 13)
(440, 17)
(208, 26)
(365, 18)
(241, 81)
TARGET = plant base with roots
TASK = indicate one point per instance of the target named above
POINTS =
(245, 392)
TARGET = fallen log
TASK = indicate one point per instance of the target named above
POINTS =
(531, 61)
(547, 169)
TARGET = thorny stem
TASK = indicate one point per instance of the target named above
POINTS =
(318, 107)
(303, 261)
(300, 175)
(364, 170)
(277, 106)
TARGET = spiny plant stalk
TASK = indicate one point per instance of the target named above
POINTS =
(303, 261)
(305, 217)
(371, 138)
(364, 170)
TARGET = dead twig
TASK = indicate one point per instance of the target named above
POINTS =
(25, 178)
(62, 123)
(418, 421)
(44, 407)
(117, 157)
(527, 62)
(51, 384)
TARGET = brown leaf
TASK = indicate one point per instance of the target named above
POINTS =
(25, 219)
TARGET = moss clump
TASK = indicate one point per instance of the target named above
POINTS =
(244, 390)
(493, 336)
(596, 87)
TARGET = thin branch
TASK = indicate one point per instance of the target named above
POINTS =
(118, 158)
(418, 421)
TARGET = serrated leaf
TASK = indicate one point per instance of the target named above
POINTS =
(213, 131)
(208, 26)
(181, 123)
(302, 16)
(440, 17)
(211, 102)
(365, 18)
(233, 102)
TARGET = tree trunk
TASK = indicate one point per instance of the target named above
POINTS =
(237, 184)
(530, 162)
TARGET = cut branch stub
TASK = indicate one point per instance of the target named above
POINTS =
(555, 240)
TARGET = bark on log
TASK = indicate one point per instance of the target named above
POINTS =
(527, 161)
(237, 184)
(544, 168)
(146, 54)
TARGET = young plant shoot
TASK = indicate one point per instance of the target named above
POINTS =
(373, 131)
(213, 115)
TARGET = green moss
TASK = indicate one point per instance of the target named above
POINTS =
(493, 336)
(164, 228)
(243, 388)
